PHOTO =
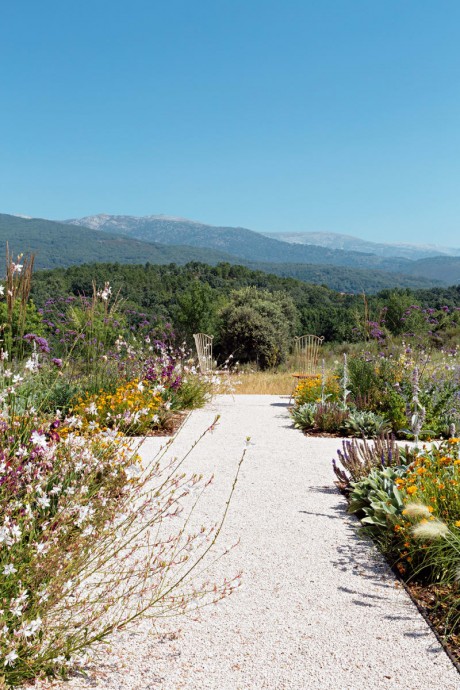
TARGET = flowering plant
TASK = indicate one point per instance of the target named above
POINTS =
(134, 409)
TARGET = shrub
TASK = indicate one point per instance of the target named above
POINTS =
(77, 556)
(365, 423)
(304, 416)
(258, 326)
(377, 500)
(330, 417)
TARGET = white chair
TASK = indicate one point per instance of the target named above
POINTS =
(203, 345)
(306, 355)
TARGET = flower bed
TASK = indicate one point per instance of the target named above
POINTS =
(83, 549)
(414, 393)
(408, 501)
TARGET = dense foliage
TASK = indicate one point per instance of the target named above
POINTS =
(191, 297)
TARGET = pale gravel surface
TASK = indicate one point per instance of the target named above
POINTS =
(319, 609)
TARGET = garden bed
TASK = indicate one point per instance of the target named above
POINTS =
(408, 502)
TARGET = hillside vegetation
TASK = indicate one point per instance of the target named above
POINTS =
(252, 246)
(61, 245)
(56, 244)
(192, 296)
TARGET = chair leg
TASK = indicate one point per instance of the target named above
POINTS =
(292, 392)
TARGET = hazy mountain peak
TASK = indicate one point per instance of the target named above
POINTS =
(350, 243)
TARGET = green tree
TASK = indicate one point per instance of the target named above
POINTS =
(197, 310)
(258, 326)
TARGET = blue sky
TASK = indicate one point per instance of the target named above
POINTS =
(338, 115)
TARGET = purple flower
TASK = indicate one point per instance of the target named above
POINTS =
(57, 362)
(41, 343)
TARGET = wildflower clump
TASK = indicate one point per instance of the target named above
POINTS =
(434, 479)
(316, 389)
(57, 497)
(134, 409)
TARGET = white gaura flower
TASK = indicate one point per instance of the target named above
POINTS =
(9, 569)
(31, 628)
(39, 440)
(17, 378)
(16, 609)
(2, 290)
(91, 409)
(10, 658)
(15, 533)
(31, 365)
(43, 501)
(140, 386)
(132, 471)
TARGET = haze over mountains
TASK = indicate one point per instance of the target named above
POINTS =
(262, 248)
(165, 239)
(350, 243)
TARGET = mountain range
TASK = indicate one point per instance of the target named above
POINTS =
(356, 244)
(165, 239)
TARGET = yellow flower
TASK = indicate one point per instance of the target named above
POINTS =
(411, 490)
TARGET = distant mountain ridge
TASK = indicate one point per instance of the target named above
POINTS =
(251, 246)
(241, 242)
(351, 243)
(57, 244)
(60, 245)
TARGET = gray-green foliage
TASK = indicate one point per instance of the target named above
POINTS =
(258, 326)
(378, 497)
(366, 423)
(304, 416)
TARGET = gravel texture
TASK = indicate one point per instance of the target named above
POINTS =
(319, 608)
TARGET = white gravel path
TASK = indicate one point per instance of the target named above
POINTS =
(319, 608)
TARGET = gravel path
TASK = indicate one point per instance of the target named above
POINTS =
(319, 608)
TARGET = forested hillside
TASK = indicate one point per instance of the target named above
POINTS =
(61, 245)
(193, 296)
(57, 244)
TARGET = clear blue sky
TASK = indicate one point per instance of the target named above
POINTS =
(299, 115)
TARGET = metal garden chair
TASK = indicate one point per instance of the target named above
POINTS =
(203, 345)
(306, 355)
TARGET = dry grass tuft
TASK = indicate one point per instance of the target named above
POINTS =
(265, 383)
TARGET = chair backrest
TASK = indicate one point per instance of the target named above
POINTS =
(203, 344)
(306, 353)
